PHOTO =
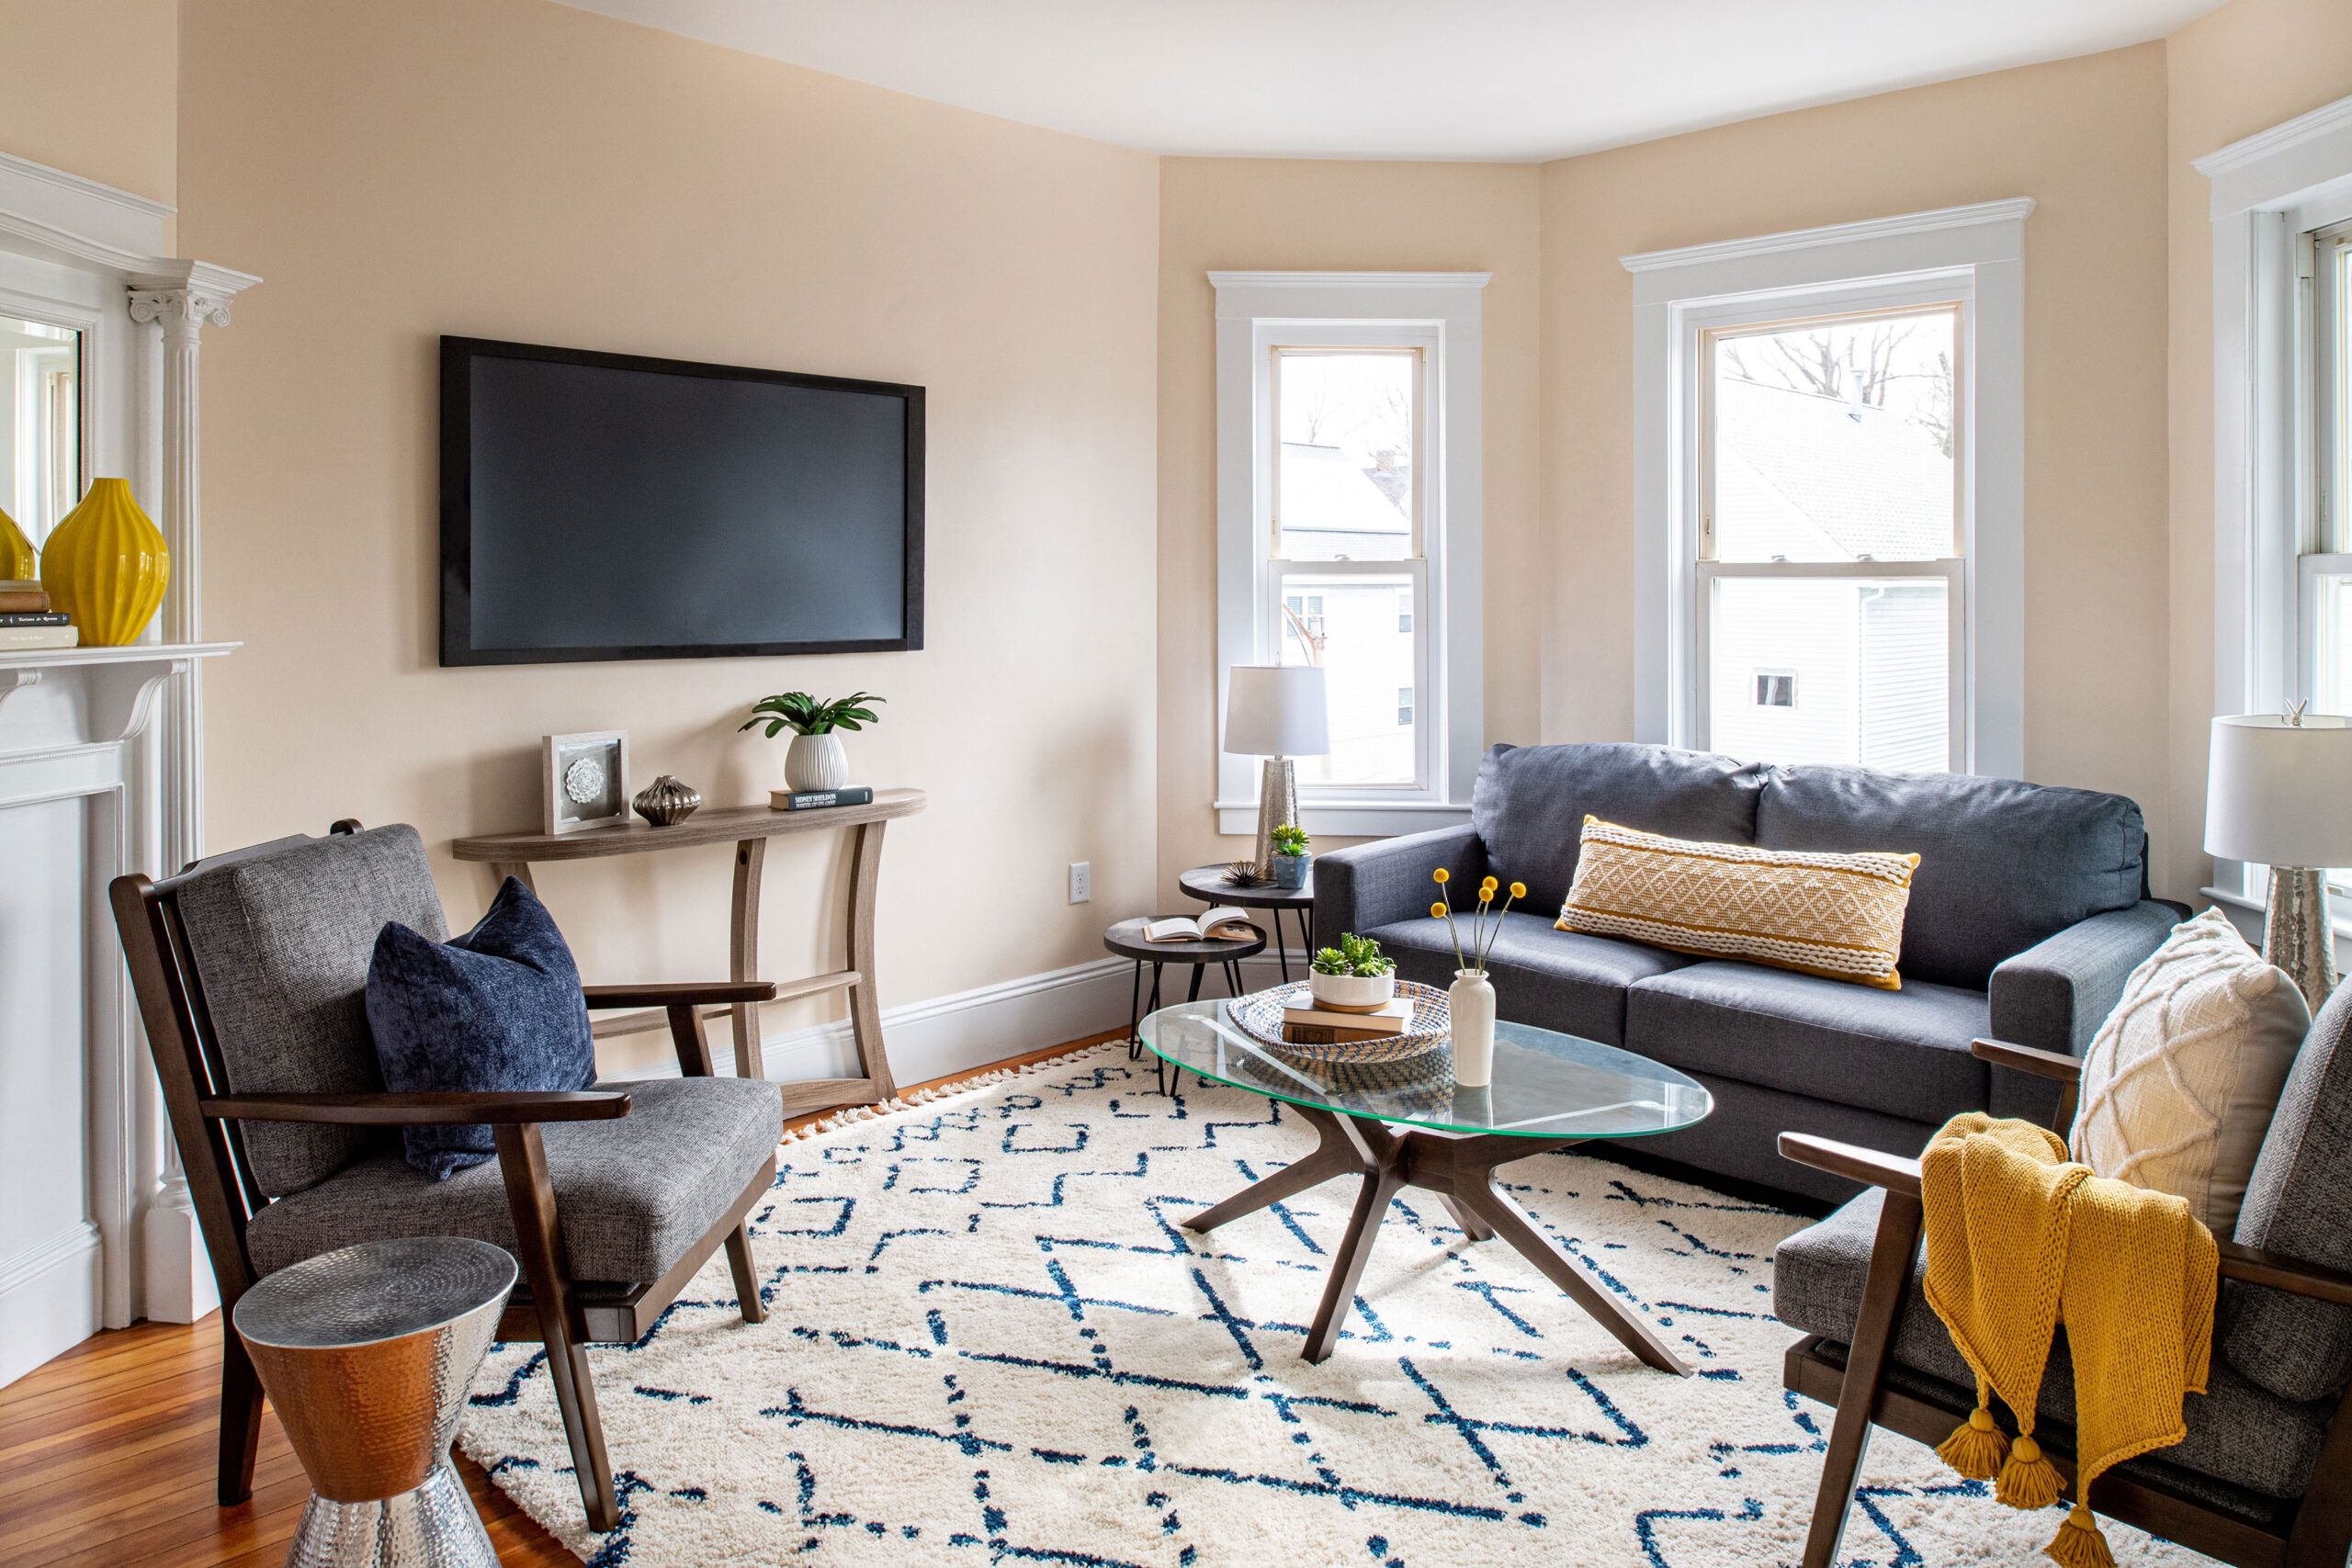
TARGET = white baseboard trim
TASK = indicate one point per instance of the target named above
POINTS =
(51, 1299)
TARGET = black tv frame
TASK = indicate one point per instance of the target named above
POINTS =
(458, 355)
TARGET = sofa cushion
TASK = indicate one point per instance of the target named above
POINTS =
(1554, 978)
(2238, 1432)
(1531, 802)
(631, 1195)
(1905, 1053)
(281, 939)
(2002, 863)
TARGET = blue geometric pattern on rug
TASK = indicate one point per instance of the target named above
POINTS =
(989, 1342)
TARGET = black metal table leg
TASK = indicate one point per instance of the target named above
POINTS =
(1135, 1014)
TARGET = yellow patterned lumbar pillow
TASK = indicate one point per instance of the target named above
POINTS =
(1837, 915)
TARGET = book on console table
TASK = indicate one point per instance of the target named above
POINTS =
(30, 639)
(818, 799)
(1328, 1026)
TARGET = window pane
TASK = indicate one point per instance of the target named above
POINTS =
(1831, 670)
(1346, 465)
(2332, 646)
(2337, 366)
(1834, 439)
(1368, 675)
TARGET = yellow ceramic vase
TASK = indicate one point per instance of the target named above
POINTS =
(105, 566)
(19, 562)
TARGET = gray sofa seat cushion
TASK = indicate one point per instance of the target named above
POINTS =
(281, 941)
(1905, 1053)
(2002, 863)
(2298, 1202)
(2238, 1432)
(1529, 804)
(1554, 978)
(631, 1195)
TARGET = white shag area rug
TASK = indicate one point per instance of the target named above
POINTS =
(988, 1343)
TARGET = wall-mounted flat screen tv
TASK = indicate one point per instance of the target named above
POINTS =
(604, 506)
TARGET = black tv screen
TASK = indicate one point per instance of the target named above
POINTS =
(606, 506)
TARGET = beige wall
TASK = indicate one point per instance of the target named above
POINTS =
(92, 87)
(2086, 139)
(1221, 213)
(516, 169)
(2243, 69)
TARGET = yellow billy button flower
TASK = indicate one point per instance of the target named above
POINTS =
(1441, 875)
(1518, 889)
(1437, 911)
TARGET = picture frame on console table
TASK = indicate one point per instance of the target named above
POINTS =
(583, 780)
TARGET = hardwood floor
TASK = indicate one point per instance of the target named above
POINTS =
(107, 1455)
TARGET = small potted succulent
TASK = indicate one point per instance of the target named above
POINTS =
(816, 759)
(1354, 977)
(1290, 857)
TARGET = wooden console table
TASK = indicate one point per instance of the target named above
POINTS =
(749, 828)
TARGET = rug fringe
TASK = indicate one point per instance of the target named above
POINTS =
(925, 1099)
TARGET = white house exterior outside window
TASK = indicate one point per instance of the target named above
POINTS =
(1348, 506)
(1829, 451)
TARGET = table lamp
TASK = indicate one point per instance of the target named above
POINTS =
(1275, 711)
(2278, 792)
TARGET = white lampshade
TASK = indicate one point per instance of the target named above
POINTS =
(1276, 710)
(2280, 794)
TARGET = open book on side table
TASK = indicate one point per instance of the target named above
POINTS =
(1223, 923)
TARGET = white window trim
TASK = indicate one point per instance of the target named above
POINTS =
(2268, 190)
(1441, 309)
(1974, 254)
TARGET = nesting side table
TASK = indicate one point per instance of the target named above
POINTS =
(1207, 884)
(1127, 941)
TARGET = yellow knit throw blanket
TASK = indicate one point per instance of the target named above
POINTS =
(2019, 1238)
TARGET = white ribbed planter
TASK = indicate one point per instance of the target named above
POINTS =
(816, 761)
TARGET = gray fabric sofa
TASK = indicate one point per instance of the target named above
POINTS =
(2028, 913)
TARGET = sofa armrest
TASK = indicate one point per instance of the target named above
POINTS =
(1381, 883)
(2054, 995)
(453, 1109)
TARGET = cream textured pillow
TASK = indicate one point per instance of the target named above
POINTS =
(1834, 915)
(2179, 1083)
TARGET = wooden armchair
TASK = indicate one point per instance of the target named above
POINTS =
(2198, 1495)
(250, 969)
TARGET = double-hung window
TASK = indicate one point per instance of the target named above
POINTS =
(2324, 569)
(1347, 531)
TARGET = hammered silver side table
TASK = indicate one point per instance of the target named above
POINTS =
(365, 1353)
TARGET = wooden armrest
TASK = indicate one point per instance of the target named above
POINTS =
(1854, 1163)
(2256, 1267)
(680, 993)
(2026, 1059)
(419, 1110)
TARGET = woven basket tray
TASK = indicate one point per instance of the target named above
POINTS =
(1260, 1016)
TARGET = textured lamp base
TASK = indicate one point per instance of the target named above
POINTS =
(433, 1527)
(2295, 933)
(1277, 807)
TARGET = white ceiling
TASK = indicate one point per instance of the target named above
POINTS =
(1484, 79)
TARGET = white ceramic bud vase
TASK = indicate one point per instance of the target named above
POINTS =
(1470, 1003)
(815, 763)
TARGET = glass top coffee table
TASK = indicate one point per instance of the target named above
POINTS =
(1398, 1125)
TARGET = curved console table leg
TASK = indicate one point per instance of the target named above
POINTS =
(744, 953)
(864, 1011)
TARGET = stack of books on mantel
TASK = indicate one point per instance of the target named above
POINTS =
(1327, 1026)
(27, 622)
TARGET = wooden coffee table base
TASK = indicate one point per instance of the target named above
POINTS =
(1459, 1168)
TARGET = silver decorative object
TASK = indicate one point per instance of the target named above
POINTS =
(1277, 807)
(2295, 933)
(366, 1353)
(666, 802)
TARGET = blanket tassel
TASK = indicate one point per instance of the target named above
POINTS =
(2028, 1480)
(2080, 1543)
(1976, 1446)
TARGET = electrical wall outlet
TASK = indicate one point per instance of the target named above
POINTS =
(1081, 881)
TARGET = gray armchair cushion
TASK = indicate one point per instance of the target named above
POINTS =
(630, 1195)
(2238, 1432)
(281, 942)
(1387, 880)
(1531, 802)
(2298, 1202)
(2003, 865)
(1558, 979)
(1904, 1053)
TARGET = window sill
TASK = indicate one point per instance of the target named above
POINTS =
(1350, 818)
(2249, 915)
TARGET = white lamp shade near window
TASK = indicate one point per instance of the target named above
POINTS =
(2280, 793)
(1276, 710)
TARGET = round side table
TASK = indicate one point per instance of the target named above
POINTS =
(365, 1353)
(1127, 941)
(1207, 884)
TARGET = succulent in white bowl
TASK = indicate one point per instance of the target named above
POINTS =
(1354, 977)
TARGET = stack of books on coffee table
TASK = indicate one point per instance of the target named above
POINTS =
(1311, 1025)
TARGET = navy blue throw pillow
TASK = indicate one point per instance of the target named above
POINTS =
(497, 1008)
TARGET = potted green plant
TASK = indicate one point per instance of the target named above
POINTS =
(816, 759)
(1354, 977)
(1290, 857)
